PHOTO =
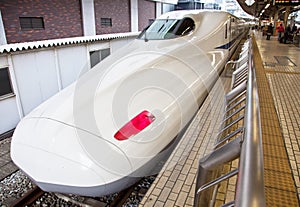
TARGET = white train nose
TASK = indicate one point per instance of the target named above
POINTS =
(56, 158)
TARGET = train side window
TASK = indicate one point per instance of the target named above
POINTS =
(5, 83)
(187, 25)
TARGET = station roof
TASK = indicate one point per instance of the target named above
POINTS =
(61, 42)
(268, 8)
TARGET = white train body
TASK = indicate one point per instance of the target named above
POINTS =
(71, 143)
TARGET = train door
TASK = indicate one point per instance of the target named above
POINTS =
(227, 32)
(229, 29)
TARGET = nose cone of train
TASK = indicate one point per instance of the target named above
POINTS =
(52, 154)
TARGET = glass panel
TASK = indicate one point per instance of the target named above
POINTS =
(160, 29)
(5, 85)
(168, 29)
(105, 53)
(187, 25)
(94, 58)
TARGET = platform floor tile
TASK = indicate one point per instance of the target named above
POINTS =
(175, 184)
(279, 95)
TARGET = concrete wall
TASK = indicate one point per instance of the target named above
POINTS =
(9, 115)
(88, 17)
(2, 32)
(38, 74)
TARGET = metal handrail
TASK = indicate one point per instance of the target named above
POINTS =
(250, 184)
(247, 146)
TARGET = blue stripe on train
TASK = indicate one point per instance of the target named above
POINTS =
(227, 45)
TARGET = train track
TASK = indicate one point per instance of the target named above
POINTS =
(122, 197)
(128, 197)
(116, 200)
(29, 197)
(18, 190)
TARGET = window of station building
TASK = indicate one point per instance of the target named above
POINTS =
(5, 83)
(28, 23)
(106, 22)
(98, 55)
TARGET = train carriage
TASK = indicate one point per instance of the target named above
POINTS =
(117, 121)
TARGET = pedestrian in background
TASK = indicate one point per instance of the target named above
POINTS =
(280, 30)
(269, 31)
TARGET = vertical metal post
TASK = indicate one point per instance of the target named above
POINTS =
(15, 86)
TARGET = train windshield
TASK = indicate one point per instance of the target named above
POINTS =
(167, 29)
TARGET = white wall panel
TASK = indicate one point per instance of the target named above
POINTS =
(134, 15)
(3, 61)
(117, 44)
(9, 116)
(38, 73)
(2, 32)
(36, 77)
(72, 62)
(88, 17)
(99, 46)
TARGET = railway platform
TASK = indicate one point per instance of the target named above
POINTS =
(278, 79)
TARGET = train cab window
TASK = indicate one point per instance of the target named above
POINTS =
(159, 29)
(167, 29)
(186, 26)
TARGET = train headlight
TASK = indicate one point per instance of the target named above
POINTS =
(135, 125)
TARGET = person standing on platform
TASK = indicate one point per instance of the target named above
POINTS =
(280, 30)
(269, 31)
(286, 34)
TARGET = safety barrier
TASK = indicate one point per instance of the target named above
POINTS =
(239, 139)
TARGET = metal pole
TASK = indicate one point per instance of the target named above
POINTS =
(250, 185)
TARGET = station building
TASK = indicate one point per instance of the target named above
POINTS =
(23, 21)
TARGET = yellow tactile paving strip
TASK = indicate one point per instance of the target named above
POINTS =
(280, 186)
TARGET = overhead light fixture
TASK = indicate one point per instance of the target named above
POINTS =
(249, 2)
(267, 6)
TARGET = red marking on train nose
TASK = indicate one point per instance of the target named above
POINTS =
(135, 125)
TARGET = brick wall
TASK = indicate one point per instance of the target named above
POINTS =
(146, 11)
(62, 18)
(117, 10)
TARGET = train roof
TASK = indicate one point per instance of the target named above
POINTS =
(180, 14)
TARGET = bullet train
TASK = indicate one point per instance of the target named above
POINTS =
(118, 120)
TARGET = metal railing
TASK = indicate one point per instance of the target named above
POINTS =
(239, 138)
